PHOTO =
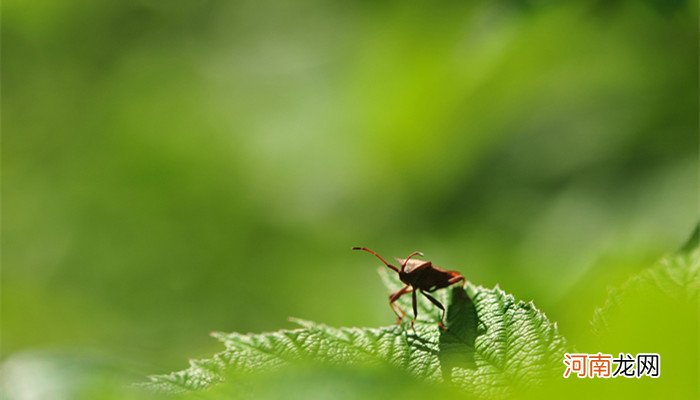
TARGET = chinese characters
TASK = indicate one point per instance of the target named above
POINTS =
(605, 366)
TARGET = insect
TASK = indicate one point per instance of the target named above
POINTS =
(418, 276)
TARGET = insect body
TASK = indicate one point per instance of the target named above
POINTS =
(418, 276)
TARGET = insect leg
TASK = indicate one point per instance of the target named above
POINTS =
(415, 311)
(439, 305)
(400, 313)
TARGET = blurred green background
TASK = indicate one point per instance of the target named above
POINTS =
(173, 168)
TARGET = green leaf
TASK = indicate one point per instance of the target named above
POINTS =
(655, 311)
(494, 345)
(672, 283)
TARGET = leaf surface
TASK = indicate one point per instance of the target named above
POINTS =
(494, 345)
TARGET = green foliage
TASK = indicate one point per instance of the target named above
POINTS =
(176, 167)
(673, 280)
(653, 311)
(493, 346)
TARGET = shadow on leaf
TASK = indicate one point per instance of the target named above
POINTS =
(456, 344)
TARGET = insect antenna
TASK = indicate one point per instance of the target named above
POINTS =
(378, 256)
(415, 253)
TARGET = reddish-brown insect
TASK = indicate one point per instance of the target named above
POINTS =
(419, 276)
